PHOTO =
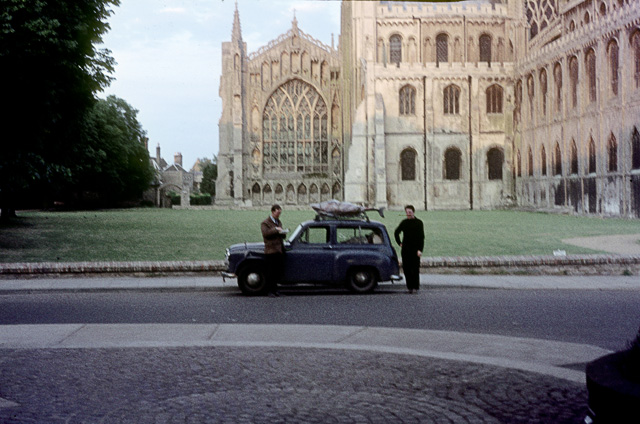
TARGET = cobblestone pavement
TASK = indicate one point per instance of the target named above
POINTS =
(273, 385)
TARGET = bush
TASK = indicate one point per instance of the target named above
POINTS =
(200, 199)
(175, 198)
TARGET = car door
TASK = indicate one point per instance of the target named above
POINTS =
(310, 256)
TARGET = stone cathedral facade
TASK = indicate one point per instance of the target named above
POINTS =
(473, 105)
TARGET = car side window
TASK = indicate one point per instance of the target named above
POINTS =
(352, 235)
(315, 235)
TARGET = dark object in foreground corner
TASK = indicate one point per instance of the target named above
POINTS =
(613, 383)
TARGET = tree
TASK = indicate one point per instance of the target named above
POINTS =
(51, 72)
(113, 162)
(209, 176)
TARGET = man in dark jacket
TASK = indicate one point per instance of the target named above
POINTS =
(411, 246)
(273, 236)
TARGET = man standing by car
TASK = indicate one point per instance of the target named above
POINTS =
(273, 236)
(411, 246)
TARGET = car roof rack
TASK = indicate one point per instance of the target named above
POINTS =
(335, 209)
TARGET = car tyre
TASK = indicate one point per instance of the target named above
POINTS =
(252, 280)
(362, 280)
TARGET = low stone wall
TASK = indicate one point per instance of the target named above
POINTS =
(536, 265)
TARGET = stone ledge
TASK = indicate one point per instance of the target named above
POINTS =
(553, 265)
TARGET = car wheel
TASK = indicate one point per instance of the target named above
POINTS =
(362, 280)
(252, 280)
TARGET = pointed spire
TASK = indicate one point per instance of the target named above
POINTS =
(236, 32)
(294, 23)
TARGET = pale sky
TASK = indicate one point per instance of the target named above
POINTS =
(168, 55)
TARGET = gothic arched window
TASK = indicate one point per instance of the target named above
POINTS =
(573, 75)
(407, 100)
(442, 48)
(557, 76)
(591, 75)
(574, 158)
(294, 130)
(495, 159)
(635, 149)
(518, 164)
(635, 43)
(451, 100)
(408, 164)
(613, 66)
(543, 161)
(452, 162)
(494, 99)
(612, 154)
(530, 162)
(543, 90)
(395, 49)
(485, 48)
(592, 156)
(557, 160)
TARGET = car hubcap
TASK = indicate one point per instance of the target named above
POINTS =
(253, 278)
(362, 278)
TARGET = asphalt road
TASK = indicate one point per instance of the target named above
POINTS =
(605, 318)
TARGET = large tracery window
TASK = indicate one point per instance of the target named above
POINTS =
(294, 130)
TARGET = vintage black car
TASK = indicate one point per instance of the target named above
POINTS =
(356, 253)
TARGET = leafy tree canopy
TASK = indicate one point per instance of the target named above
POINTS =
(51, 72)
(209, 176)
(114, 161)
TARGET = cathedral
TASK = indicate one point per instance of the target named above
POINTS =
(484, 104)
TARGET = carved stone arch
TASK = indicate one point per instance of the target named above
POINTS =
(255, 119)
(336, 191)
(412, 50)
(285, 63)
(635, 149)
(290, 194)
(305, 61)
(265, 75)
(279, 193)
(256, 197)
(543, 160)
(458, 54)
(573, 158)
(612, 153)
(314, 194)
(557, 159)
(324, 73)
(302, 194)
(381, 54)
(325, 192)
(295, 62)
(613, 51)
(427, 50)
(267, 195)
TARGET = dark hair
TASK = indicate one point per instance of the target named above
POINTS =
(410, 207)
(275, 207)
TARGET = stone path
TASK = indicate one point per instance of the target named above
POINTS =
(628, 244)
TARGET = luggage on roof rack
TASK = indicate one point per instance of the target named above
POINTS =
(334, 209)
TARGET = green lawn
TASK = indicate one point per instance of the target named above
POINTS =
(167, 235)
